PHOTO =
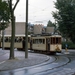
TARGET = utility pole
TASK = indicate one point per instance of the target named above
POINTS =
(26, 32)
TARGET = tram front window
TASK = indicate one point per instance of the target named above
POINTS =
(56, 40)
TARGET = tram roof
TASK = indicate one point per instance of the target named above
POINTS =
(56, 36)
(16, 35)
(46, 35)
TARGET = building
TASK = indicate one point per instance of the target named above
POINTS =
(49, 29)
(32, 29)
(19, 28)
(38, 29)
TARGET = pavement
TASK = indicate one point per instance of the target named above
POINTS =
(20, 61)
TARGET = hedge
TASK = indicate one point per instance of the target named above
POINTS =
(70, 45)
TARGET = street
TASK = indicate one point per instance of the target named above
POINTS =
(59, 64)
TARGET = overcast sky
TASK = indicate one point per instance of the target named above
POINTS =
(39, 11)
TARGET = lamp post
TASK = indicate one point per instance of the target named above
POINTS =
(26, 32)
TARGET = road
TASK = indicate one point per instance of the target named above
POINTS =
(59, 64)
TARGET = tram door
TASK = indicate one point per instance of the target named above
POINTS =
(48, 44)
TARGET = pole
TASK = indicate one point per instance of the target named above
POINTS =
(26, 32)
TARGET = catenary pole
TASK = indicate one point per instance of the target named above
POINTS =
(26, 31)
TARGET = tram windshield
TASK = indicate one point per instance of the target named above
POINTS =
(55, 40)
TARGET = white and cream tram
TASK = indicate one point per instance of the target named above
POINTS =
(47, 43)
(38, 43)
(18, 42)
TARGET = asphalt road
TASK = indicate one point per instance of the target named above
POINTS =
(60, 64)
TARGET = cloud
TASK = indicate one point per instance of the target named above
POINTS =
(39, 11)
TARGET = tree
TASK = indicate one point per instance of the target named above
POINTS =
(4, 15)
(65, 17)
(4, 18)
(13, 28)
(50, 24)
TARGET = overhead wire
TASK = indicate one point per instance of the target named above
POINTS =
(40, 10)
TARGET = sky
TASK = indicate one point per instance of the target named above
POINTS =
(39, 11)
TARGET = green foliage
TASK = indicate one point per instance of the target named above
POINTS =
(4, 14)
(65, 17)
(71, 45)
(50, 24)
(3, 26)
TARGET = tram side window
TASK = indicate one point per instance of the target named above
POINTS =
(43, 41)
(52, 40)
(28, 39)
(36, 41)
(15, 39)
(39, 41)
(9, 39)
(20, 39)
(33, 41)
(58, 40)
(6, 39)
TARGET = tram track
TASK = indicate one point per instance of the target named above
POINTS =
(44, 67)
(51, 60)
(49, 65)
(53, 63)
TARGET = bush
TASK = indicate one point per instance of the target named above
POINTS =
(70, 45)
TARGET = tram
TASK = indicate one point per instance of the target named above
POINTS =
(18, 42)
(46, 43)
(37, 43)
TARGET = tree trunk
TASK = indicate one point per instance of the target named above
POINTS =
(13, 29)
(2, 39)
(12, 35)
